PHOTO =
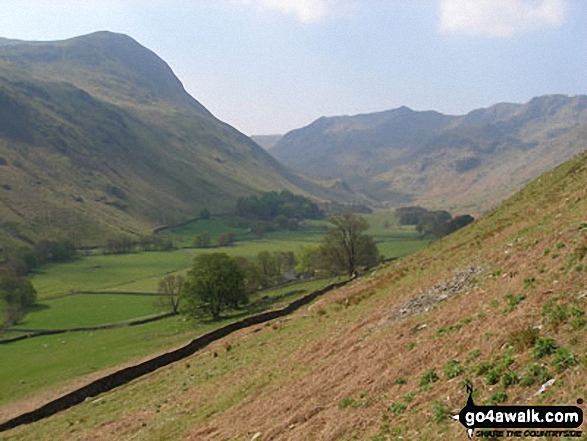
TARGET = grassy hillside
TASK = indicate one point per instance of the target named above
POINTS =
(500, 303)
(99, 138)
(466, 163)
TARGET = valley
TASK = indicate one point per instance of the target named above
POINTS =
(350, 279)
(353, 365)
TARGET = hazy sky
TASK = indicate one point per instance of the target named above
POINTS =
(269, 66)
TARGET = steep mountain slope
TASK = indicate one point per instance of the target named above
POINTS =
(266, 141)
(500, 304)
(98, 137)
(460, 163)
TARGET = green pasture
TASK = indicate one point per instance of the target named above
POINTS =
(184, 235)
(45, 362)
(137, 272)
(106, 272)
(83, 310)
(39, 363)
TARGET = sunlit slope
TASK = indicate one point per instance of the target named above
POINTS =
(98, 137)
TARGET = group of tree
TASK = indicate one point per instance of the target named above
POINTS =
(211, 283)
(275, 211)
(23, 260)
(126, 245)
(17, 294)
(267, 269)
(204, 240)
(217, 281)
(435, 223)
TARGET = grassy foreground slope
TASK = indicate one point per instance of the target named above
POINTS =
(386, 357)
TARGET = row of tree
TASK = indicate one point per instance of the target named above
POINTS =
(438, 223)
(24, 259)
(272, 204)
(217, 281)
(125, 245)
(204, 240)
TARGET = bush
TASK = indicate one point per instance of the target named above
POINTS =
(509, 378)
(563, 359)
(525, 339)
(544, 347)
(498, 397)
(203, 240)
(453, 369)
(441, 412)
(225, 239)
(428, 377)
(17, 294)
(535, 373)
(514, 301)
(397, 408)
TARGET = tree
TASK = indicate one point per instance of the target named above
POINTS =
(203, 240)
(225, 239)
(214, 282)
(253, 280)
(205, 214)
(306, 261)
(170, 289)
(17, 294)
(345, 248)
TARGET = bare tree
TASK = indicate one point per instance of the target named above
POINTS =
(345, 247)
(170, 289)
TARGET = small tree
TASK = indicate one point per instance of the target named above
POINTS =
(214, 282)
(17, 294)
(170, 289)
(345, 248)
(203, 240)
(205, 214)
(306, 261)
(225, 239)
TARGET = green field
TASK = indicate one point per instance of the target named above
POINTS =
(43, 362)
(101, 272)
(85, 310)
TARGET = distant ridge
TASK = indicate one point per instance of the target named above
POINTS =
(461, 163)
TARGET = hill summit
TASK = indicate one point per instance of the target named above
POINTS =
(98, 138)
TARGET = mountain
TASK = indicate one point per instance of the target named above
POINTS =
(501, 304)
(99, 138)
(460, 163)
(267, 141)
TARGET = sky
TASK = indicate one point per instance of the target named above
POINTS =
(271, 66)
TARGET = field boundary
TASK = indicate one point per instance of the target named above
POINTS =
(126, 375)
(41, 332)
(31, 333)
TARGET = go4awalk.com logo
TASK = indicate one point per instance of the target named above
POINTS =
(520, 421)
